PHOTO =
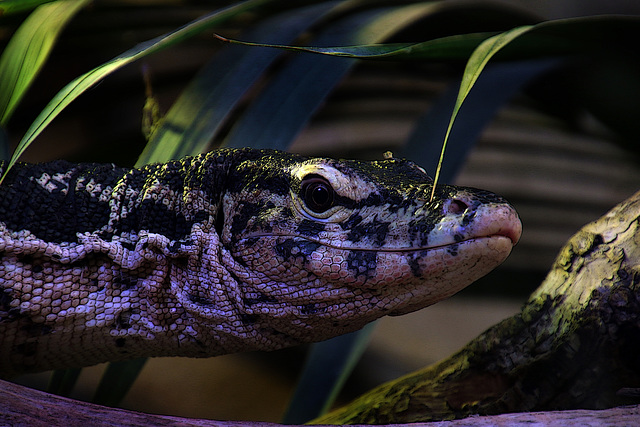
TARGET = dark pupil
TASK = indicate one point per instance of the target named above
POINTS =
(318, 195)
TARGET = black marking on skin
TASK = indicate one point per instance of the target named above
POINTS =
(123, 320)
(627, 278)
(468, 217)
(174, 246)
(452, 250)
(201, 217)
(218, 223)
(310, 228)
(52, 215)
(34, 262)
(375, 230)
(208, 173)
(414, 263)
(362, 263)
(197, 299)
(5, 300)
(311, 309)
(258, 299)
(157, 218)
(351, 222)
(124, 281)
(246, 212)
(177, 245)
(420, 229)
(128, 245)
(458, 238)
(286, 212)
(249, 319)
(296, 248)
(262, 169)
(7, 314)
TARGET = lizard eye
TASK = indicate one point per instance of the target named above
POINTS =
(317, 193)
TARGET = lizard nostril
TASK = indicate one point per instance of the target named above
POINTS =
(456, 206)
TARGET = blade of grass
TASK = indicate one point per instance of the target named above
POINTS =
(28, 50)
(81, 84)
(475, 65)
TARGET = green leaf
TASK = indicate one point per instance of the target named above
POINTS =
(475, 65)
(8, 7)
(28, 50)
(550, 38)
(81, 84)
(451, 47)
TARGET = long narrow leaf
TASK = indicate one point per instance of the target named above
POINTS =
(559, 37)
(8, 7)
(450, 47)
(81, 84)
(475, 65)
(29, 48)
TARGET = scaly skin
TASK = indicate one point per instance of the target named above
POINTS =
(230, 251)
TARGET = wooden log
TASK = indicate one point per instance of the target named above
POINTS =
(575, 344)
(22, 406)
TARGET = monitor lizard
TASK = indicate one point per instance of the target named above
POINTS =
(233, 250)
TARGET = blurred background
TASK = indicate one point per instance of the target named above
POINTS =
(560, 164)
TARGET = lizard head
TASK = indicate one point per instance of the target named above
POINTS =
(342, 243)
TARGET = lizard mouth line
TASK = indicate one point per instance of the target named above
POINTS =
(388, 250)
